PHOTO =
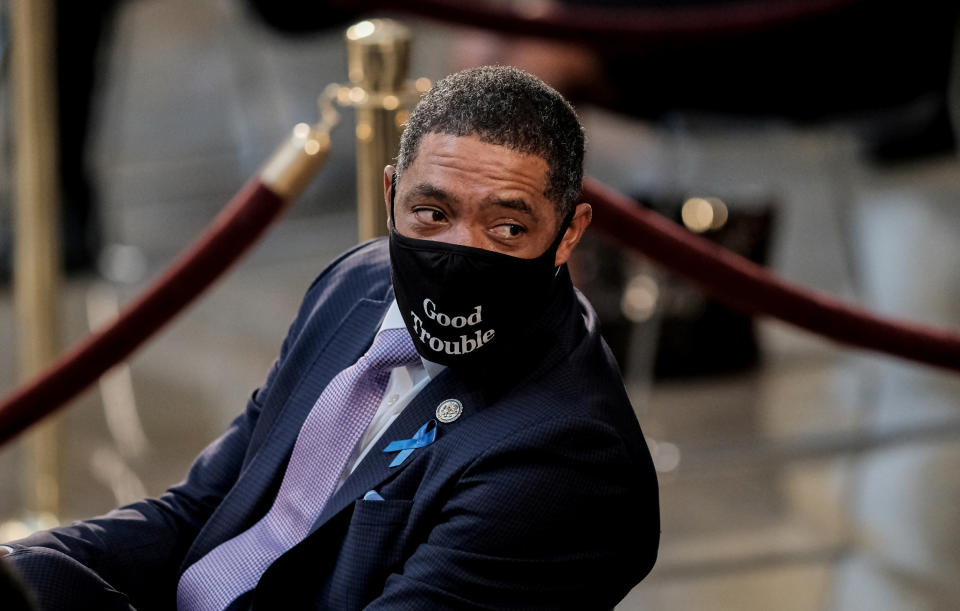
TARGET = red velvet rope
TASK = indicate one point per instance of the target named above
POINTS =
(725, 275)
(751, 288)
(230, 234)
(632, 26)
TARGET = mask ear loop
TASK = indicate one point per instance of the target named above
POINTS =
(393, 200)
(552, 249)
(565, 225)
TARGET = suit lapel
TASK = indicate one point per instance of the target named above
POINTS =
(268, 466)
(375, 469)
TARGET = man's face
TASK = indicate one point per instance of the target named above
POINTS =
(461, 190)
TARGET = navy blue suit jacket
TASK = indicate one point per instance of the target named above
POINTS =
(541, 495)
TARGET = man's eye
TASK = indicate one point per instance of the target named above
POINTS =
(429, 215)
(509, 230)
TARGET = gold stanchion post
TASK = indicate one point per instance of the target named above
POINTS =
(36, 253)
(378, 55)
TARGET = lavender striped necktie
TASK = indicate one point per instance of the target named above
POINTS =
(324, 444)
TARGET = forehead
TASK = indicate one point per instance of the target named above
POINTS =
(468, 164)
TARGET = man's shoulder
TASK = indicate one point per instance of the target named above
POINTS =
(370, 258)
(362, 271)
(583, 386)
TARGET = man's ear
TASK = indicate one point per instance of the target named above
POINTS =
(388, 174)
(578, 224)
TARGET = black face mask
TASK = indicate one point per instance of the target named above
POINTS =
(468, 306)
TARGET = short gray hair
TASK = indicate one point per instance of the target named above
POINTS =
(507, 107)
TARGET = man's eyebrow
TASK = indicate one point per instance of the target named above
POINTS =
(427, 190)
(513, 204)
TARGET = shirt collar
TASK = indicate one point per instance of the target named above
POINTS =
(394, 320)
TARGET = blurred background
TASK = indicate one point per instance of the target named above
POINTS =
(795, 474)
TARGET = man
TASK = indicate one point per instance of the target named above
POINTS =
(498, 465)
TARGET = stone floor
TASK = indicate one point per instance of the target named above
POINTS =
(822, 480)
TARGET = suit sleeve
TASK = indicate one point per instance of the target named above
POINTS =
(560, 516)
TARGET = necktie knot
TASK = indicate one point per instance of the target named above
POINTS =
(391, 348)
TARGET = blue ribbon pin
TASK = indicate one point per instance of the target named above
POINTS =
(423, 437)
